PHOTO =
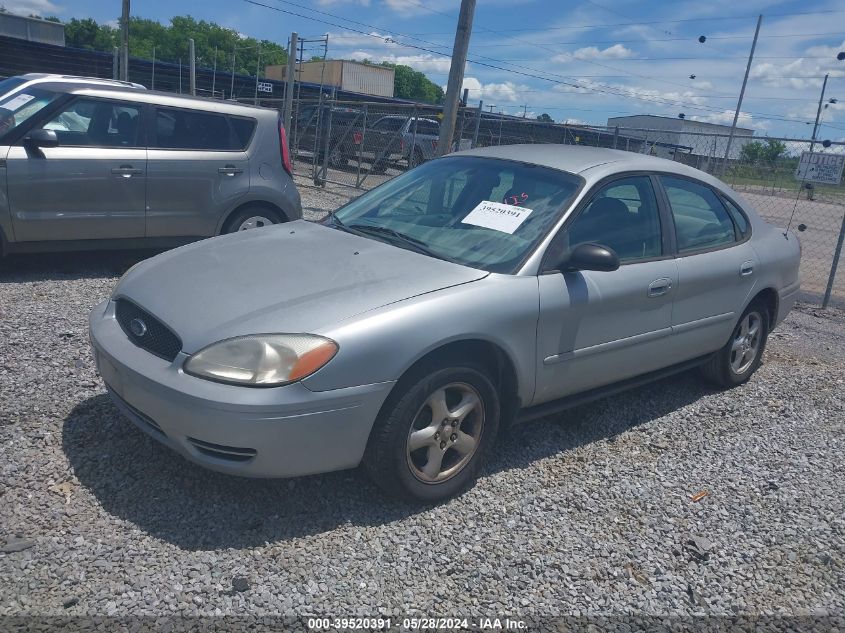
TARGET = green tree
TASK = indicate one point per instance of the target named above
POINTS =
(545, 118)
(412, 84)
(171, 42)
(768, 153)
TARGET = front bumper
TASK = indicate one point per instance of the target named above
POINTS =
(254, 432)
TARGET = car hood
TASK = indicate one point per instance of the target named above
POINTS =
(294, 277)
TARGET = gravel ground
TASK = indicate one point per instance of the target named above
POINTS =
(589, 512)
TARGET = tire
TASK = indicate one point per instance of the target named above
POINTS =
(380, 165)
(257, 215)
(416, 159)
(742, 354)
(441, 465)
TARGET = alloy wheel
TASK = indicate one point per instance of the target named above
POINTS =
(746, 342)
(445, 433)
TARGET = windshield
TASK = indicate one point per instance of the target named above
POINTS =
(7, 85)
(17, 109)
(486, 213)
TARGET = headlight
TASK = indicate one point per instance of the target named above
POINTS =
(262, 360)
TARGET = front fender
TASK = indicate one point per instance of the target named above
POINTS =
(381, 345)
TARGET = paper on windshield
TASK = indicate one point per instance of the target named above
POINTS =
(17, 103)
(504, 218)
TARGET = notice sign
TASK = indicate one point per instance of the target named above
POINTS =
(497, 216)
(265, 86)
(821, 168)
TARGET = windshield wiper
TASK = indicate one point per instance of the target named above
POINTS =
(411, 242)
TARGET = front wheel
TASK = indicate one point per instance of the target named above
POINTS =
(742, 354)
(430, 441)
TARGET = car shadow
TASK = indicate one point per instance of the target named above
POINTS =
(135, 478)
(27, 267)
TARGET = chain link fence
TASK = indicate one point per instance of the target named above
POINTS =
(362, 145)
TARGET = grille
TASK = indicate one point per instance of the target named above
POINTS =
(154, 336)
(230, 453)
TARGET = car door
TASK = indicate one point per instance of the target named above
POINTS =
(198, 169)
(716, 266)
(597, 328)
(92, 185)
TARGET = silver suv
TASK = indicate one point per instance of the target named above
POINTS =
(94, 166)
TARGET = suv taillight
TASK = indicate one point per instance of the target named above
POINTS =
(357, 137)
(283, 144)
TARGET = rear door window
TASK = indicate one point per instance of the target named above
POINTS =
(175, 128)
(701, 220)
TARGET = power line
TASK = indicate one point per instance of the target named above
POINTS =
(652, 22)
(597, 88)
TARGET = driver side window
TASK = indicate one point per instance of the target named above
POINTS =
(624, 216)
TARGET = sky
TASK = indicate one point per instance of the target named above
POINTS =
(578, 61)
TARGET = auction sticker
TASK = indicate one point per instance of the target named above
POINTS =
(18, 102)
(497, 216)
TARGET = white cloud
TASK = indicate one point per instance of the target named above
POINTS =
(27, 7)
(505, 91)
(617, 51)
(423, 63)
(726, 117)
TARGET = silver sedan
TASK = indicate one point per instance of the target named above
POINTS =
(479, 290)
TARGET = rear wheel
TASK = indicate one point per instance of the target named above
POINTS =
(430, 441)
(742, 354)
(252, 217)
(417, 158)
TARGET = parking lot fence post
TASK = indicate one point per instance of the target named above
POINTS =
(615, 136)
(360, 146)
(835, 264)
(477, 125)
(115, 65)
(412, 149)
(192, 65)
(290, 78)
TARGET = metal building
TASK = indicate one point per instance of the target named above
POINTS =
(670, 137)
(342, 74)
(32, 29)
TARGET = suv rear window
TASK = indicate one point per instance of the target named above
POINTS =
(195, 130)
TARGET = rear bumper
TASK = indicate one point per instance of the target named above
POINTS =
(274, 432)
(786, 301)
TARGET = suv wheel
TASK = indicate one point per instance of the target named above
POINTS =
(430, 441)
(253, 217)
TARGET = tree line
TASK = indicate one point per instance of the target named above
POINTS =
(149, 39)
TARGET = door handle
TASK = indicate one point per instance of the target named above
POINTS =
(746, 269)
(659, 287)
(230, 170)
(126, 171)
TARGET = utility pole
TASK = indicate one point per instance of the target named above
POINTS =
(456, 76)
(124, 38)
(524, 110)
(192, 66)
(290, 78)
(818, 114)
(741, 95)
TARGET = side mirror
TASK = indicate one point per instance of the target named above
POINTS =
(590, 257)
(41, 138)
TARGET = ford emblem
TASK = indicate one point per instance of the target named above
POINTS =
(137, 327)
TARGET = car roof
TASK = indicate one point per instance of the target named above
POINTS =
(577, 159)
(171, 99)
(71, 79)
